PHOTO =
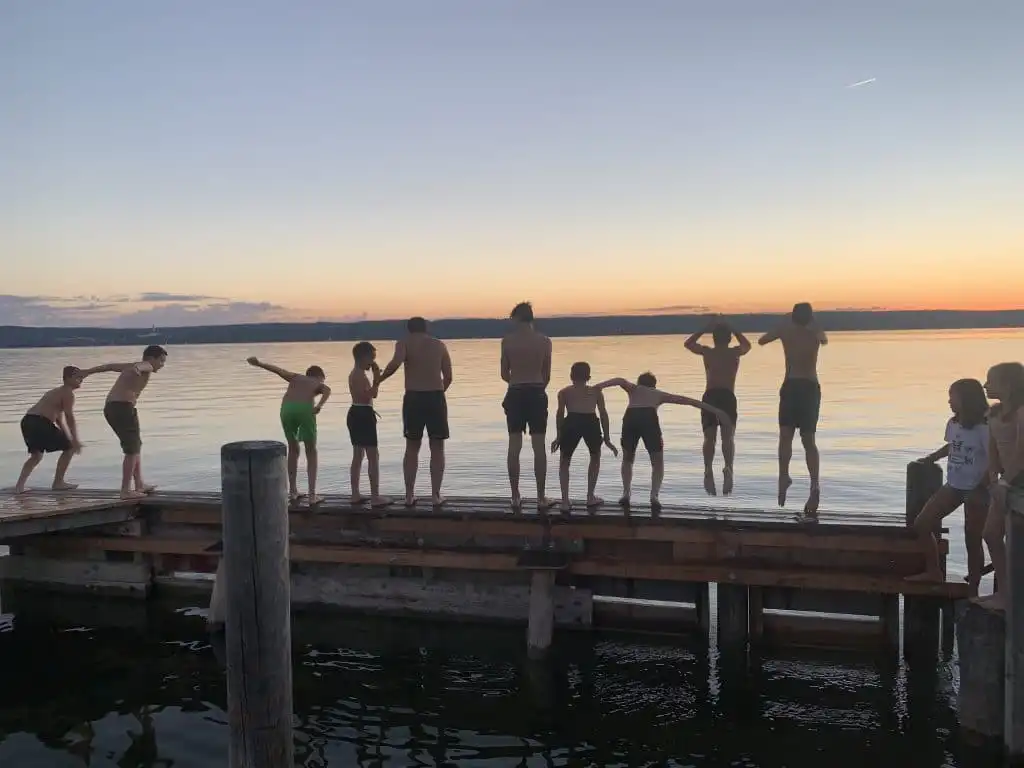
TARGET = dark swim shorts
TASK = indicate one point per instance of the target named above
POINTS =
(641, 424)
(580, 426)
(123, 418)
(425, 410)
(721, 398)
(800, 405)
(526, 406)
(362, 426)
(42, 435)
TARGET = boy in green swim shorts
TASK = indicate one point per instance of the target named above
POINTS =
(298, 419)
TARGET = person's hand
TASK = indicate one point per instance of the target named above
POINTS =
(252, 360)
(554, 445)
(375, 370)
(611, 446)
(929, 459)
(76, 447)
(316, 410)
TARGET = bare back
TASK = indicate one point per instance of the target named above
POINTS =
(54, 403)
(580, 399)
(128, 386)
(645, 397)
(721, 364)
(526, 356)
(302, 389)
(424, 364)
(800, 345)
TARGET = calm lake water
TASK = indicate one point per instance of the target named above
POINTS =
(147, 690)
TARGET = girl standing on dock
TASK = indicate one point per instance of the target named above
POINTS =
(1005, 383)
(966, 454)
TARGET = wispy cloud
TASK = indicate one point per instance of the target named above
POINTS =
(142, 310)
(682, 309)
(860, 83)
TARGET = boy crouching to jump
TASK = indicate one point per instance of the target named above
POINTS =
(49, 427)
(576, 420)
(362, 423)
(298, 420)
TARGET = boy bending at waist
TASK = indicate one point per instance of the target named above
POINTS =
(122, 414)
(298, 420)
(49, 426)
(576, 420)
(640, 422)
(362, 423)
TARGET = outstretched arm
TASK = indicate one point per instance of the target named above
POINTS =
(107, 368)
(934, 456)
(822, 338)
(773, 335)
(396, 361)
(257, 363)
(744, 343)
(629, 386)
(723, 418)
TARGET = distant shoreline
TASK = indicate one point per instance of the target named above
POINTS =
(18, 337)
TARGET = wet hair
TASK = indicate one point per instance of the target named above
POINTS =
(647, 379)
(416, 325)
(1011, 377)
(69, 372)
(973, 403)
(316, 372)
(580, 372)
(722, 334)
(363, 350)
(153, 351)
(802, 313)
(523, 312)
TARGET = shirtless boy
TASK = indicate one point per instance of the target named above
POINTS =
(576, 420)
(799, 397)
(123, 417)
(428, 374)
(721, 364)
(362, 423)
(526, 368)
(298, 420)
(640, 422)
(49, 426)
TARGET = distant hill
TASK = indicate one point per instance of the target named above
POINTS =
(483, 328)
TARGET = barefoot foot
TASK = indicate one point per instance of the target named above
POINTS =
(147, 489)
(544, 504)
(131, 495)
(813, 500)
(438, 500)
(20, 491)
(655, 507)
(624, 502)
(594, 501)
(784, 482)
(709, 483)
(566, 507)
(727, 481)
(64, 486)
(357, 499)
(516, 504)
(315, 499)
(410, 501)
(379, 502)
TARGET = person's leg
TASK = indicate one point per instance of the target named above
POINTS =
(593, 471)
(540, 468)
(373, 468)
(975, 512)
(129, 468)
(564, 460)
(515, 448)
(993, 535)
(943, 502)
(710, 440)
(729, 445)
(786, 435)
(812, 458)
(312, 469)
(355, 474)
(410, 465)
(628, 457)
(293, 468)
(59, 483)
(30, 464)
(657, 475)
(437, 465)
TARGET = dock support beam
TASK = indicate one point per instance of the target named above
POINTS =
(257, 604)
(981, 637)
(542, 613)
(1013, 729)
(921, 614)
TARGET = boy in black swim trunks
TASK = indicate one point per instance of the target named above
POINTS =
(640, 422)
(577, 421)
(49, 427)
(721, 364)
(362, 423)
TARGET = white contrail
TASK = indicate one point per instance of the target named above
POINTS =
(862, 82)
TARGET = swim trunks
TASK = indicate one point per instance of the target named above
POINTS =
(362, 425)
(800, 404)
(42, 435)
(580, 426)
(298, 420)
(721, 398)
(123, 418)
(425, 410)
(526, 405)
(641, 424)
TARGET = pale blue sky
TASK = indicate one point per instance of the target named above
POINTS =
(450, 157)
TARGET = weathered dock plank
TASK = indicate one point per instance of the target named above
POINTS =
(41, 512)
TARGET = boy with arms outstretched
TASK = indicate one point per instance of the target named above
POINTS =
(49, 426)
(640, 422)
(122, 414)
(362, 423)
(298, 420)
(575, 421)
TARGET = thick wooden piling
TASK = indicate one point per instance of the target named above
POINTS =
(1013, 724)
(921, 614)
(257, 604)
(540, 628)
(981, 640)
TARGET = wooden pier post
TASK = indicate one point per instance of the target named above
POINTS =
(921, 614)
(981, 639)
(1013, 726)
(541, 625)
(257, 604)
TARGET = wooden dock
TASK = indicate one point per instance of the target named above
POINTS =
(773, 580)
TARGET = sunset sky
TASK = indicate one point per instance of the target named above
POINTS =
(224, 161)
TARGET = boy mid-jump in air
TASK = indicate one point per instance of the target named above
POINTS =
(48, 427)
(581, 415)
(298, 420)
